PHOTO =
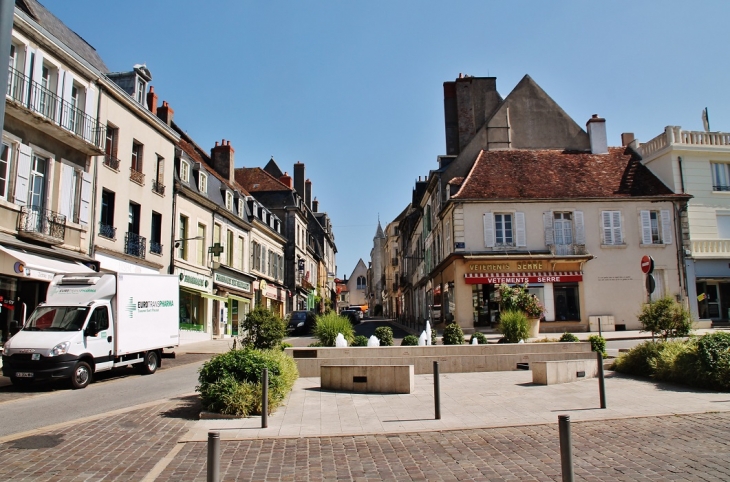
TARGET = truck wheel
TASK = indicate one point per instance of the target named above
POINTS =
(81, 375)
(150, 364)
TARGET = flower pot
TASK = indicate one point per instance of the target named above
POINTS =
(534, 327)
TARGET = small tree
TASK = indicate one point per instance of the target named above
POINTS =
(385, 335)
(598, 343)
(453, 335)
(409, 340)
(514, 326)
(329, 325)
(263, 329)
(666, 317)
(481, 338)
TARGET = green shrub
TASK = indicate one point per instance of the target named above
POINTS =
(676, 361)
(545, 340)
(453, 335)
(640, 360)
(513, 325)
(598, 343)
(285, 345)
(666, 317)
(713, 353)
(481, 338)
(360, 340)
(568, 337)
(329, 325)
(262, 329)
(434, 336)
(409, 340)
(385, 335)
(230, 383)
(315, 344)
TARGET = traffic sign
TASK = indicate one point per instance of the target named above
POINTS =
(647, 264)
(650, 283)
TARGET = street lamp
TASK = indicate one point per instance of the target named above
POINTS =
(178, 241)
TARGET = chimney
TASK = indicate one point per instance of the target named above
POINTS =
(286, 179)
(596, 127)
(152, 100)
(222, 158)
(315, 206)
(627, 139)
(165, 113)
(308, 193)
(468, 102)
(299, 178)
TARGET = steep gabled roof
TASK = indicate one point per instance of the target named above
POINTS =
(556, 174)
(255, 179)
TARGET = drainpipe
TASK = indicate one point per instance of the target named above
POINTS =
(92, 221)
(7, 11)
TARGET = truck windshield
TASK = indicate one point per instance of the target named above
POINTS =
(57, 318)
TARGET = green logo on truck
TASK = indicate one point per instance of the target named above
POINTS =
(152, 306)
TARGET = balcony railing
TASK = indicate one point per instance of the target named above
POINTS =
(155, 248)
(158, 187)
(136, 176)
(675, 135)
(111, 162)
(710, 248)
(106, 231)
(135, 245)
(568, 249)
(42, 225)
(40, 100)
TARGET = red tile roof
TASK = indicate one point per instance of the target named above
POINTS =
(255, 179)
(196, 154)
(556, 174)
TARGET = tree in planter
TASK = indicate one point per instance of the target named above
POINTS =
(598, 343)
(517, 298)
(453, 335)
(262, 329)
(514, 326)
(481, 338)
(667, 318)
(385, 335)
(329, 325)
(409, 340)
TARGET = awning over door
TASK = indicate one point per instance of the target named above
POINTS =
(19, 262)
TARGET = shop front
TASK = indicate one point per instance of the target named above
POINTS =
(195, 289)
(556, 282)
(713, 289)
(270, 296)
(231, 301)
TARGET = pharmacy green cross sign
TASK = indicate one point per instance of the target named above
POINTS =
(216, 249)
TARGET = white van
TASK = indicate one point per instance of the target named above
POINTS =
(95, 322)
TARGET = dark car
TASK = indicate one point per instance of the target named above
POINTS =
(351, 315)
(301, 322)
(357, 310)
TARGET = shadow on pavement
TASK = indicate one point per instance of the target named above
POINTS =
(189, 408)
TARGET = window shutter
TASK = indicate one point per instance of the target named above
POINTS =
(606, 231)
(29, 54)
(22, 175)
(59, 87)
(645, 227)
(38, 68)
(85, 198)
(580, 231)
(547, 222)
(666, 226)
(617, 236)
(489, 230)
(520, 234)
(68, 191)
(68, 83)
(89, 107)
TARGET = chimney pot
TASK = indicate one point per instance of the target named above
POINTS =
(627, 138)
(596, 127)
(152, 100)
(216, 143)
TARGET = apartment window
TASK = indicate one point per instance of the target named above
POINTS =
(201, 244)
(110, 148)
(76, 115)
(229, 201)
(140, 91)
(723, 224)
(229, 247)
(184, 171)
(656, 227)
(70, 192)
(240, 207)
(217, 237)
(106, 221)
(563, 228)
(156, 233)
(503, 229)
(5, 156)
(182, 236)
(133, 223)
(720, 176)
(611, 222)
(160, 171)
(241, 253)
(137, 149)
(37, 184)
(202, 183)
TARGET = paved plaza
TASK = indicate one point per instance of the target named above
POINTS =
(494, 426)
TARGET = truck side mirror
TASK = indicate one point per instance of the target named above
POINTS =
(13, 327)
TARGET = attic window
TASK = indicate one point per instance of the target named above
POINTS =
(229, 200)
(203, 184)
(184, 171)
(240, 207)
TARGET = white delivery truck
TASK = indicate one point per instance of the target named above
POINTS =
(95, 322)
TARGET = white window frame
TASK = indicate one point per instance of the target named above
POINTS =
(519, 233)
(203, 183)
(723, 228)
(720, 176)
(184, 171)
(656, 227)
(504, 222)
(240, 207)
(229, 200)
(6, 176)
(611, 228)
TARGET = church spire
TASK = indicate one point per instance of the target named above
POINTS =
(379, 232)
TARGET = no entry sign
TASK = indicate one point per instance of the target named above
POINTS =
(647, 264)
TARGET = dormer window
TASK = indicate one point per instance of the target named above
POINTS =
(203, 183)
(141, 88)
(229, 200)
(240, 207)
(184, 171)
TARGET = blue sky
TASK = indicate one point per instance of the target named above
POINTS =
(354, 89)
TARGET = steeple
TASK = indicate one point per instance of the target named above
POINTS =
(379, 232)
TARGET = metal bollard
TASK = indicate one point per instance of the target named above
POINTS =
(436, 390)
(601, 381)
(566, 450)
(265, 398)
(214, 456)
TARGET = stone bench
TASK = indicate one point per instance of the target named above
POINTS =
(562, 371)
(368, 378)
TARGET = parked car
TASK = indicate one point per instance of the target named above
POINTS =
(358, 310)
(352, 315)
(301, 321)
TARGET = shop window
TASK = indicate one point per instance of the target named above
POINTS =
(567, 303)
(192, 312)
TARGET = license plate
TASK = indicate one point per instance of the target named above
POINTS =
(24, 374)
(35, 356)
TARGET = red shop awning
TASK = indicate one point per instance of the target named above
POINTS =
(519, 278)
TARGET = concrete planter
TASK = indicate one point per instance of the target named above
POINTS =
(534, 327)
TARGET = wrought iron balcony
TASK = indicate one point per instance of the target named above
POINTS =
(720, 187)
(136, 176)
(41, 225)
(158, 187)
(155, 248)
(106, 231)
(31, 95)
(135, 245)
(111, 162)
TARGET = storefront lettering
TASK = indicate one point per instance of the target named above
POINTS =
(243, 285)
(488, 267)
(529, 266)
(510, 266)
(193, 280)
